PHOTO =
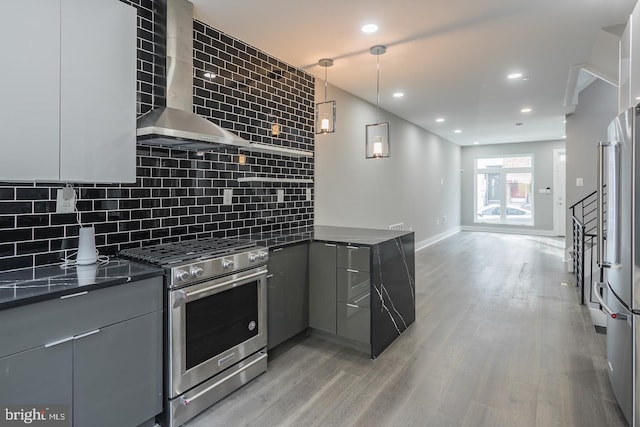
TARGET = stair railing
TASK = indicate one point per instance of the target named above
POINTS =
(584, 218)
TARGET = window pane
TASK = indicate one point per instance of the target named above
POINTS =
(503, 196)
(504, 162)
(488, 197)
(518, 199)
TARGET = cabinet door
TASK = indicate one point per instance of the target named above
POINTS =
(40, 376)
(276, 309)
(30, 90)
(117, 373)
(98, 91)
(322, 287)
(297, 294)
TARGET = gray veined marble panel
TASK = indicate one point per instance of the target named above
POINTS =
(393, 295)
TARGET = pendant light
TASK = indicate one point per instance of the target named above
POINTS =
(325, 111)
(377, 135)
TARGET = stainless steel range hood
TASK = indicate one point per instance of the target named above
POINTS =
(176, 125)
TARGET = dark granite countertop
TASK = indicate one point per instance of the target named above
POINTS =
(355, 236)
(29, 285)
(325, 233)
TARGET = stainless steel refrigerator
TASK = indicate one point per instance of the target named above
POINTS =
(619, 255)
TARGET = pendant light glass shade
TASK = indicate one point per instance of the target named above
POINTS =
(377, 146)
(378, 135)
(325, 111)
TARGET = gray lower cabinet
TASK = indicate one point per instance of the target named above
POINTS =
(42, 375)
(354, 322)
(276, 308)
(99, 353)
(340, 286)
(117, 373)
(322, 286)
(287, 293)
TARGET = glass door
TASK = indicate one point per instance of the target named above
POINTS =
(503, 190)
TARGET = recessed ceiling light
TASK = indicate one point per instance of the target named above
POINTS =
(369, 28)
(476, 142)
(564, 136)
(513, 76)
(525, 110)
(398, 95)
(457, 131)
(440, 119)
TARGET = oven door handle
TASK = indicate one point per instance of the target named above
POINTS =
(188, 295)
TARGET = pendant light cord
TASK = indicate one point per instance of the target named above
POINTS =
(378, 89)
(325, 84)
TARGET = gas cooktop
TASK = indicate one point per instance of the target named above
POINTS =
(187, 250)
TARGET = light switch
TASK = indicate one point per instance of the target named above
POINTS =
(579, 182)
(280, 194)
(308, 194)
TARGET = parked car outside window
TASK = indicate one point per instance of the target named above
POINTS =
(491, 213)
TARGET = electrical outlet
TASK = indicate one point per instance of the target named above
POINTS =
(280, 195)
(444, 219)
(227, 196)
(65, 200)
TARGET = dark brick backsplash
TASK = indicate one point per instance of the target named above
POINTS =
(178, 194)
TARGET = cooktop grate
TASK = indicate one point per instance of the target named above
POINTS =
(168, 253)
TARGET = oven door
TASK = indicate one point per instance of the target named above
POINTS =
(213, 325)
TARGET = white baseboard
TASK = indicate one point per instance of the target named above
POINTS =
(435, 239)
(509, 230)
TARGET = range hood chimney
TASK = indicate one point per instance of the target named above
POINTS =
(176, 125)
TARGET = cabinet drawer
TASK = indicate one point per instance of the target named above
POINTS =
(352, 286)
(41, 323)
(353, 257)
(353, 322)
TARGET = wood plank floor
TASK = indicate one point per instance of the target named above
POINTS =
(499, 340)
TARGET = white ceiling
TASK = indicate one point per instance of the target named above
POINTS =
(449, 57)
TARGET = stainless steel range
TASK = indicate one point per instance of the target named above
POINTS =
(216, 322)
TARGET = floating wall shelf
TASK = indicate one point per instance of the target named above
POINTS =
(266, 179)
(276, 149)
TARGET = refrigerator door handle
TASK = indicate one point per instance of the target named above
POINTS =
(600, 204)
(601, 257)
(596, 291)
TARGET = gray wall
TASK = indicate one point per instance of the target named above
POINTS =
(542, 152)
(418, 185)
(597, 106)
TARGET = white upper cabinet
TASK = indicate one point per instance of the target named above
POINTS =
(30, 90)
(68, 108)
